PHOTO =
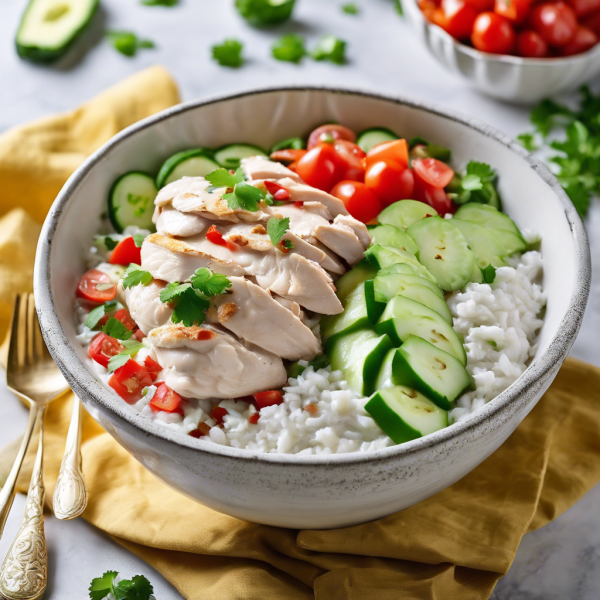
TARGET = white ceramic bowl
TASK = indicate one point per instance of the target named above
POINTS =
(511, 78)
(326, 490)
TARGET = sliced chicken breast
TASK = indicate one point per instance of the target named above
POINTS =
(145, 306)
(300, 192)
(259, 167)
(209, 362)
(171, 221)
(360, 229)
(342, 240)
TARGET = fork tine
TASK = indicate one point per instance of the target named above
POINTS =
(31, 324)
(16, 350)
(41, 350)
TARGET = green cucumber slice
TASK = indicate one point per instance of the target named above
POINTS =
(401, 268)
(189, 163)
(131, 201)
(49, 27)
(348, 282)
(404, 213)
(404, 317)
(383, 257)
(230, 157)
(358, 355)
(486, 216)
(389, 235)
(510, 241)
(293, 143)
(405, 414)
(384, 377)
(355, 315)
(369, 138)
(485, 245)
(429, 370)
(384, 292)
(393, 281)
(375, 307)
(444, 252)
(477, 275)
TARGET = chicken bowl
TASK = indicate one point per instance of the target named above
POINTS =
(262, 334)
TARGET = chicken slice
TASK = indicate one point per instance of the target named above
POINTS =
(145, 306)
(360, 229)
(259, 167)
(209, 362)
(342, 240)
(300, 192)
(170, 221)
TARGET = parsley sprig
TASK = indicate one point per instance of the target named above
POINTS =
(242, 196)
(330, 48)
(136, 588)
(477, 184)
(229, 53)
(289, 48)
(276, 229)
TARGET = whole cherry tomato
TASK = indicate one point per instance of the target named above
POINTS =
(582, 41)
(389, 182)
(584, 8)
(330, 133)
(434, 196)
(555, 22)
(459, 18)
(493, 33)
(353, 159)
(395, 151)
(321, 167)
(514, 10)
(530, 44)
(360, 201)
(433, 171)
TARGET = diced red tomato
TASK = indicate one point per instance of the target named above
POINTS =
(434, 196)
(277, 191)
(583, 40)
(583, 8)
(218, 414)
(129, 381)
(103, 347)
(311, 408)
(254, 418)
(139, 335)
(328, 134)
(433, 171)
(389, 182)
(87, 287)
(123, 315)
(458, 18)
(126, 252)
(514, 10)
(152, 367)
(270, 398)
(321, 167)
(214, 235)
(287, 155)
(395, 151)
(360, 201)
(353, 159)
(556, 22)
(167, 400)
(531, 44)
(202, 430)
(493, 33)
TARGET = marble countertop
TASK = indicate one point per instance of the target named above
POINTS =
(560, 561)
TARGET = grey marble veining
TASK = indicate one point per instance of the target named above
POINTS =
(561, 560)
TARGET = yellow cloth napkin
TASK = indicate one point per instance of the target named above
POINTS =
(453, 546)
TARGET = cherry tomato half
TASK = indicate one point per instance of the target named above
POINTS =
(583, 8)
(582, 41)
(167, 400)
(433, 171)
(514, 10)
(87, 287)
(395, 151)
(126, 252)
(321, 167)
(434, 196)
(459, 18)
(353, 159)
(103, 347)
(555, 22)
(269, 398)
(330, 133)
(360, 201)
(389, 182)
(493, 33)
(531, 44)
(129, 381)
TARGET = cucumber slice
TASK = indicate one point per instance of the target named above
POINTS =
(429, 370)
(384, 292)
(511, 242)
(477, 275)
(384, 257)
(486, 216)
(405, 414)
(404, 213)
(388, 235)
(49, 27)
(400, 268)
(131, 201)
(294, 143)
(348, 282)
(369, 138)
(230, 157)
(485, 245)
(397, 281)
(384, 377)
(358, 355)
(355, 315)
(404, 317)
(444, 251)
(375, 307)
(189, 163)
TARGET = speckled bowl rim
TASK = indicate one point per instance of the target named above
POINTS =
(516, 397)
(588, 56)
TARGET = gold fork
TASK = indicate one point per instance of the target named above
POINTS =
(31, 374)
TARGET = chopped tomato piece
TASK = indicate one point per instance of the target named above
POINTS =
(433, 171)
(218, 414)
(459, 18)
(87, 287)
(360, 201)
(166, 399)
(103, 347)
(126, 252)
(254, 418)
(152, 367)
(298, 204)
(214, 235)
(270, 398)
(493, 33)
(434, 196)
(395, 151)
(123, 315)
(203, 429)
(329, 134)
(321, 167)
(287, 155)
(311, 408)
(277, 191)
(353, 159)
(129, 381)
(139, 335)
(582, 41)
(390, 182)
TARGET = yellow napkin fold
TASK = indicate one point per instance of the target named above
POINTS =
(453, 546)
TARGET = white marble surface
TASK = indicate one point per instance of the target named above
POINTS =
(560, 561)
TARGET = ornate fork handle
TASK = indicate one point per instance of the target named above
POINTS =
(24, 573)
(71, 494)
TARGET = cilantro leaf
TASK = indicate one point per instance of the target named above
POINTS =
(330, 48)
(477, 184)
(190, 308)
(223, 178)
(489, 274)
(135, 275)
(265, 12)
(528, 141)
(160, 2)
(289, 48)
(136, 588)
(351, 8)
(471, 183)
(102, 586)
(118, 360)
(138, 240)
(173, 290)
(114, 328)
(276, 229)
(95, 315)
(127, 43)
(228, 53)
(110, 243)
(209, 283)
(482, 170)
(245, 197)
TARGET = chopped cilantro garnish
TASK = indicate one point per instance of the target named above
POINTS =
(287, 244)
(351, 8)
(160, 2)
(245, 197)
(189, 306)
(265, 12)
(209, 283)
(223, 178)
(118, 360)
(276, 229)
(128, 43)
(330, 48)
(110, 243)
(489, 274)
(289, 48)
(135, 275)
(477, 184)
(229, 53)
(136, 588)
(138, 239)
(115, 329)
(173, 290)
(95, 315)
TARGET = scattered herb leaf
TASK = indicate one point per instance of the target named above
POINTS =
(351, 8)
(136, 588)
(118, 360)
(489, 274)
(115, 329)
(127, 43)
(228, 53)
(223, 178)
(245, 197)
(135, 275)
(528, 141)
(477, 184)
(276, 229)
(209, 283)
(399, 8)
(289, 48)
(330, 48)
(95, 315)
(190, 308)
(265, 12)
(138, 239)
(110, 243)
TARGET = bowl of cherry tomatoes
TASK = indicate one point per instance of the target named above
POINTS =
(520, 51)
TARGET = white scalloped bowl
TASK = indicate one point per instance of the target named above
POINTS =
(510, 78)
